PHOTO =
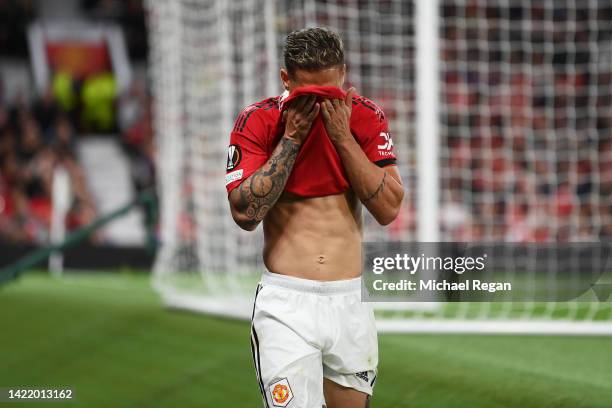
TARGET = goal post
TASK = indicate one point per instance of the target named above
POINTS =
(498, 116)
(427, 131)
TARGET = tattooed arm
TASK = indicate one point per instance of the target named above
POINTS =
(379, 189)
(251, 200)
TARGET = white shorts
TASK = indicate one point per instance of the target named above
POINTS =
(304, 330)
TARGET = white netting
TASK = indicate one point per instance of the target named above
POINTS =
(525, 145)
(526, 142)
(526, 120)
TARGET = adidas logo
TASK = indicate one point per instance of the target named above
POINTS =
(363, 375)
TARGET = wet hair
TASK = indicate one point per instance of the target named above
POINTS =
(313, 49)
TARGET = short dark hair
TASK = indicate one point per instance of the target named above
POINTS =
(312, 49)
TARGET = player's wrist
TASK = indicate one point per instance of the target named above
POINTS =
(293, 139)
(346, 140)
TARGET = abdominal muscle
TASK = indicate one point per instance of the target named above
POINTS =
(315, 238)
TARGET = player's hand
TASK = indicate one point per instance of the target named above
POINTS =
(337, 116)
(299, 116)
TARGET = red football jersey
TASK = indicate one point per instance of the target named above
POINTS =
(318, 170)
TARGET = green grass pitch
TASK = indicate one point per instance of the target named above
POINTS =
(108, 337)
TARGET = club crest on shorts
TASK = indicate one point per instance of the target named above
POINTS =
(281, 393)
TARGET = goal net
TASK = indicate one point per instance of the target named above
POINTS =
(499, 111)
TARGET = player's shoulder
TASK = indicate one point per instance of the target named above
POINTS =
(367, 110)
(258, 113)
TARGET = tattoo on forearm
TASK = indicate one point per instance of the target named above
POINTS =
(261, 191)
(378, 191)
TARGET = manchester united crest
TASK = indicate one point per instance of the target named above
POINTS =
(281, 393)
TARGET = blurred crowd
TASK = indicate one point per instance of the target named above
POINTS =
(135, 124)
(40, 133)
(35, 138)
(38, 136)
(527, 121)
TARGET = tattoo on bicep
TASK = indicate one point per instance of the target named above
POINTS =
(378, 191)
(261, 191)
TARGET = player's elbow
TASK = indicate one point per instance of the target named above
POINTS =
(387, 217)
(238, 209)
(244, 222)
(391, 211)
(247, 225)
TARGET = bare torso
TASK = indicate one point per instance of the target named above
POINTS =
(314, 238)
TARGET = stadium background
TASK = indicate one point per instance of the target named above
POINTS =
(526, 153)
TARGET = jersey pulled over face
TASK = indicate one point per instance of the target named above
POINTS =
(318, 169)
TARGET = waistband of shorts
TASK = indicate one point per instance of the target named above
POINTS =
(312, 286)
